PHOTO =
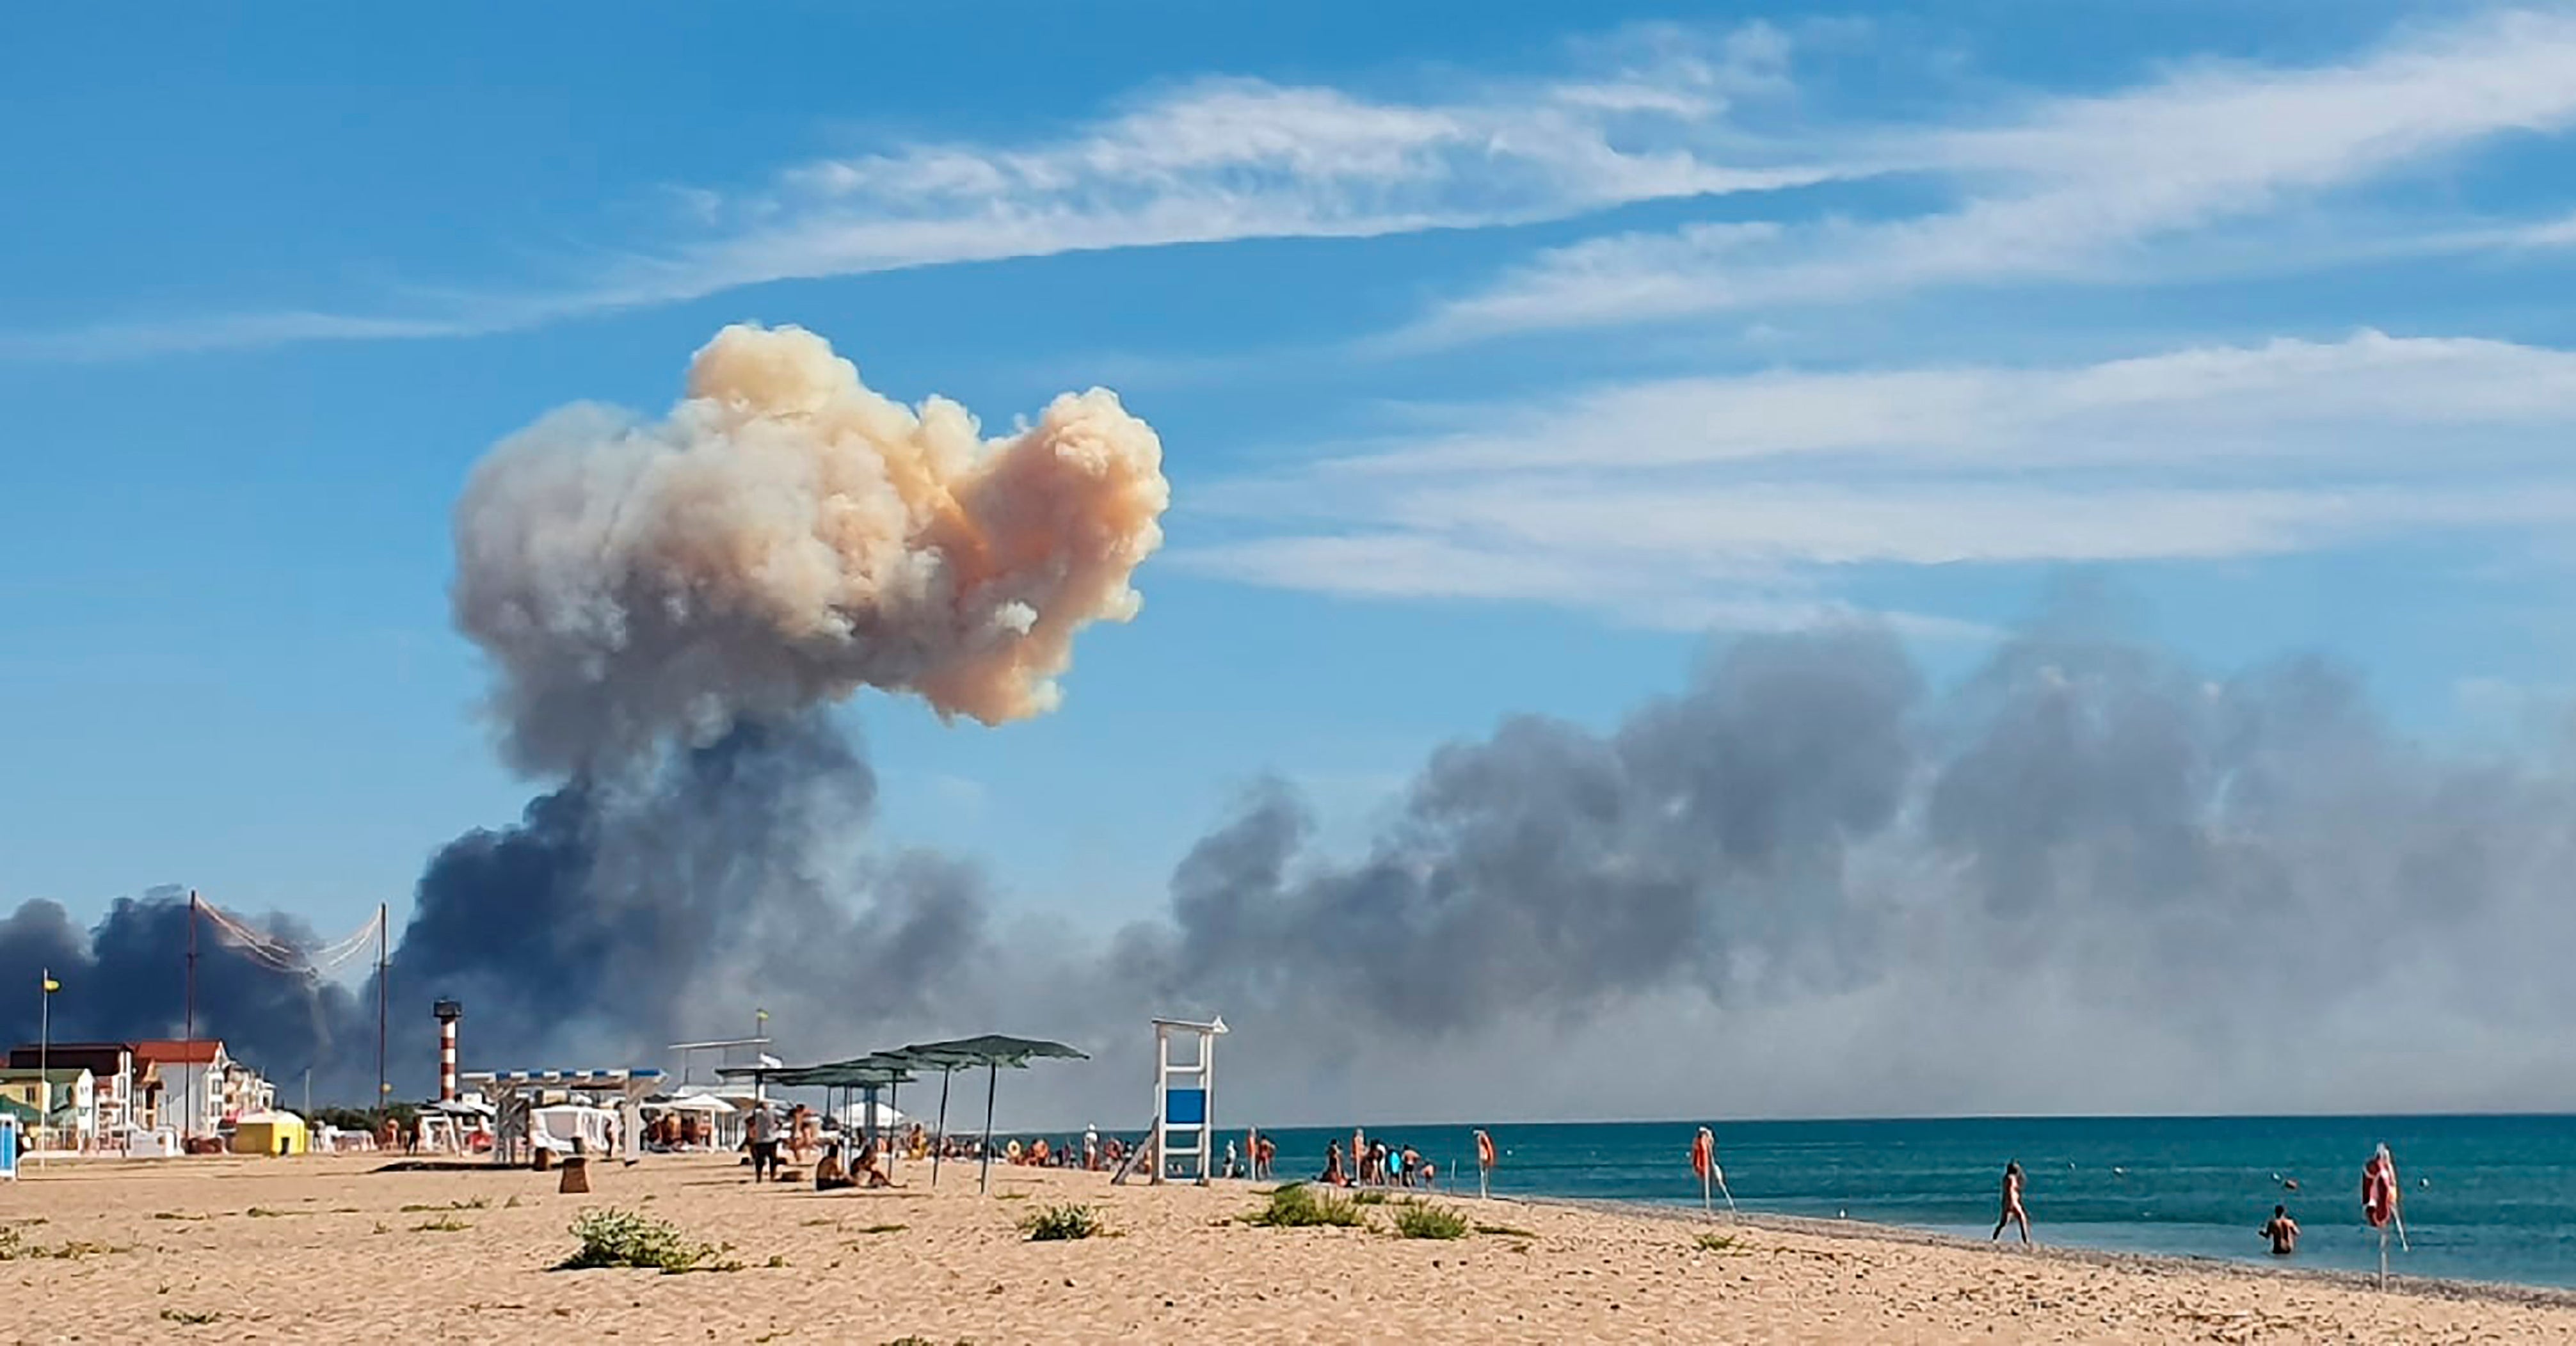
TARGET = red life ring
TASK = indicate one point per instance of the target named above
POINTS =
(1703, 1153)
(1484, 1150)
(2378, 1193)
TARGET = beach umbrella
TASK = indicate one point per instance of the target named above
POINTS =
(2379, 1204)
(991, 1051)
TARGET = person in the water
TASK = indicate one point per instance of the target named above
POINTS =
(2283, 1231)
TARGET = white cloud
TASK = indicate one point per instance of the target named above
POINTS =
(1650, 114)
(1748, 495)
(2208, 407)
(2073, 186)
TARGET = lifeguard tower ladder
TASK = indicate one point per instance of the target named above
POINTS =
(1184, 1118)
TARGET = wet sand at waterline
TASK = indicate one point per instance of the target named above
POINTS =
(332, 1250)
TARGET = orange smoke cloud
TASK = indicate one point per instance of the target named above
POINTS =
(785, 537)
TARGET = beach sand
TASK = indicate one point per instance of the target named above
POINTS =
(332, 1250)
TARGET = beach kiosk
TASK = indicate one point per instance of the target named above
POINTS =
(271, 1133)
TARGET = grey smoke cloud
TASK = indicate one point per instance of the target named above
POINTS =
(2087, 878)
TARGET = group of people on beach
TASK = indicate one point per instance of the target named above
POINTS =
(1376, 1164)
(2281, 1230)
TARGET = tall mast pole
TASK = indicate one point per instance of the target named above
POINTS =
(383, 962)
(188, 1063)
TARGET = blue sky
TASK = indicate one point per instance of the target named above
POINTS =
(1502, 354)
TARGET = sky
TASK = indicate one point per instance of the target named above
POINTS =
(1504, 357)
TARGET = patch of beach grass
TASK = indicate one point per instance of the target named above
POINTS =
(618, 1238)
(187, 1318)
(1059, 1223)
(1417, 1221)
(1506, 1231)
(1297, 1206)
(445, 1224)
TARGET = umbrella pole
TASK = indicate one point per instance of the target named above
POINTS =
(940, 1142)
(894, 1104)
(992, 1080)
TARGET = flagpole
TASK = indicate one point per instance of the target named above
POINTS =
(44, 1049)
(187, 1064)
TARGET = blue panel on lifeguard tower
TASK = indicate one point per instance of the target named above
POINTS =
(1184, 1107)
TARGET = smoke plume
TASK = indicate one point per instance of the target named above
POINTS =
(783, 538)
(2087, 877)
(670, 608)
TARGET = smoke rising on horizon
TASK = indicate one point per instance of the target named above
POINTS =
(2088, 877)
(670, 607)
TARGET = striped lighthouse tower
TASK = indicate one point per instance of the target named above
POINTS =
(448, 1012)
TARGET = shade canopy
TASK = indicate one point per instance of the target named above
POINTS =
(873, 1071)
(992, 1049)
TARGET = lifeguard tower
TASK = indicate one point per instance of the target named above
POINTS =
(1184, 1111)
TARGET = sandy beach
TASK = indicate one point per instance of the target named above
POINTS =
(334, 1250)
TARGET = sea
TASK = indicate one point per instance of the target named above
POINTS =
(2487, 1198)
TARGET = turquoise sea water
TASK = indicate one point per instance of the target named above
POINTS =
(2487, 1198)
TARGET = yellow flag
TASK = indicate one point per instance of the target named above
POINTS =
(52, 986)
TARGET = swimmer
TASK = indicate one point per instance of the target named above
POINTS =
(2283, 1231)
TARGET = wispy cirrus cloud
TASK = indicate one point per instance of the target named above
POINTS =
(2076, 187)
(1656, 113)
(1675, 501)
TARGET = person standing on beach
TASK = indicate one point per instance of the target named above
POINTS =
(764, 1142)
(2013, 1214)
(2283, 1231)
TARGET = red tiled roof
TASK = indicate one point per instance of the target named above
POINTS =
(178, 1053)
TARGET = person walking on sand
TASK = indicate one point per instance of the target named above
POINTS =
(2013, 1214)
(2283, 1231)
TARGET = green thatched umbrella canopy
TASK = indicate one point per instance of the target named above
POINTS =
(991, 1051)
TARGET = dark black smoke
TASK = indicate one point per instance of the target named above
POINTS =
(622, 915)
(126, 979)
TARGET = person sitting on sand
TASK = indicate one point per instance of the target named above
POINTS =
(2013, 1213)
(829, 1176)
(1333, 1175)
(871, 1169)
(2283, 1231)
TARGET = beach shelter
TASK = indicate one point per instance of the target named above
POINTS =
(991, 1051)
(271, 1133)
(877, 1070)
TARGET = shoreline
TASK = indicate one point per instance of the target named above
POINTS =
(1872, 1231)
